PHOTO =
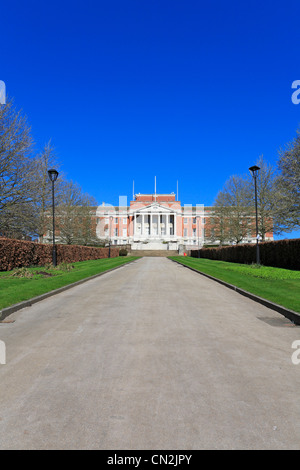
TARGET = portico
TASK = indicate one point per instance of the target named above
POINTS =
(155, 221)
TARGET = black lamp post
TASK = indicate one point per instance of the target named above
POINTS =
(53, 174)
(110, 227)
(198, 227)
(254, 170)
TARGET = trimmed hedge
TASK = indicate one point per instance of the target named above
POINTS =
(279, 254)
(19, 253)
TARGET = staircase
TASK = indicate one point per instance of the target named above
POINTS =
(154, 253)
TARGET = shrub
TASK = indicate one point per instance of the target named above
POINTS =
(22, 272)
(65, 267)
(123, 252)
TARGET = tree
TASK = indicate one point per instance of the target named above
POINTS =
(220, 224)
(16, 171)
(42, 200)
(288, 187)
(266, 196)
(25, 189)
(231, 209)
(74, 215)
(85, 233)
(234, 207)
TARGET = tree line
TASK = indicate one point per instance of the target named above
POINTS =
(278, 199)
(26, 191)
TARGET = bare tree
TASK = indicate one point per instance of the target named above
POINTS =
(231, 209)
(75, 215)
(42, 200)
(220, 225)
(266, 197)
(25, 189)
(288, 187)
(16, 171)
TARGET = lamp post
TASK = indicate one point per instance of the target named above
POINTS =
(198, 220)
(254, 170)
(110, 227)
(53, 174)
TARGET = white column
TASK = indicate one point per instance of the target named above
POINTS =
(174, 224)
(143, 224)
(151, 228)
(167, 225)
(158, 224)
(134, 224)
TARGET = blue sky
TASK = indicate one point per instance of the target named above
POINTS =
(187, 90)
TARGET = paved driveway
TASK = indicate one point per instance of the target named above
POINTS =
(150, 356)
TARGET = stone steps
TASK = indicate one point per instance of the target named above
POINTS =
(154, 253)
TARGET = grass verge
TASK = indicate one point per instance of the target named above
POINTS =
(25, 283)
(280, 286)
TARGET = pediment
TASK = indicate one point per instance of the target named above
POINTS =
(154, 208)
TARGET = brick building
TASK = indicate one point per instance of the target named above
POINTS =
(160, 222)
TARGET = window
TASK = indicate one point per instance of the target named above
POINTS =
(185, 220)
(115, 232)
(185, 232)
(124, 232)
(194, 232)
(106, 221)
(203, 220)
(124, 221)
(116, 220)
(194, 220)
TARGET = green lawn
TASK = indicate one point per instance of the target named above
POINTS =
(25, 283)
(281, 286)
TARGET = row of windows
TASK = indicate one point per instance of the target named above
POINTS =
(116, 220)
(185, 220)
(185, 232)
(116, 232)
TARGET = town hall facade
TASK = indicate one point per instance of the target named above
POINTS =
(157, 222)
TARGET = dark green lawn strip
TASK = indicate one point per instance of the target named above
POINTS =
(285, 292)
(15, 290)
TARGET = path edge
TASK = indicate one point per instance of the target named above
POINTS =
(290, 314)
(5, 312)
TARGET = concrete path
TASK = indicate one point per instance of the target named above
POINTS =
(150, 356)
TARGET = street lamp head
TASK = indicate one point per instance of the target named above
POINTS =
(254, 170)
(53, 174)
